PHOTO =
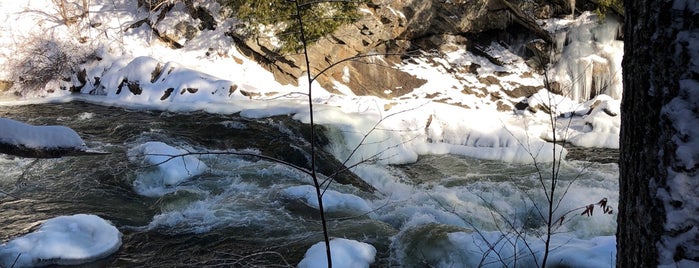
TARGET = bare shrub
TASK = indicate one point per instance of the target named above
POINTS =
(40, 61)
(71, 11)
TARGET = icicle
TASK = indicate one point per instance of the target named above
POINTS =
(590, 62)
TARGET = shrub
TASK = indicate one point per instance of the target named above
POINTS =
(42, 60)
(278, 17)
(603, 7)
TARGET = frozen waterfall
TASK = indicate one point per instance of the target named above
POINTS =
(589, 63)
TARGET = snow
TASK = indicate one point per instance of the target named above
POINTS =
(39, 137)
(174, 83)
(64, 240)
(345, 253)
(165, 170)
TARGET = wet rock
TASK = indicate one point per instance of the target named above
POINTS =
(278, 137)
(426, 244)
(28, 152)
(133, 86)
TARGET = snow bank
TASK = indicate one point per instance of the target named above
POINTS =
(333, 201)
(555, 103)
(166, 172)
(345, 253)
(39, 137)
(147, 80)
(599, 128)
(413, 128)
(64, 240)
(594, 123)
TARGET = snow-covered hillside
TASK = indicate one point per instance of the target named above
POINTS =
(108, 62)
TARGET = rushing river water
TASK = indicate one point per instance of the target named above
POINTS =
(235, 215)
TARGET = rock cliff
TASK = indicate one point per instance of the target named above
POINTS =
(362, 55)
(392, 30)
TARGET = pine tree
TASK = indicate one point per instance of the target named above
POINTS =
(278, 18)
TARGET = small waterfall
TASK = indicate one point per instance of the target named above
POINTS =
(589, 63)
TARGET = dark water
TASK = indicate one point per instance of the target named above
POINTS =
(257, 229)
(102, 185)
(599, 155)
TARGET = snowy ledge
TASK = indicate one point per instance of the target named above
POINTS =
(24, 140)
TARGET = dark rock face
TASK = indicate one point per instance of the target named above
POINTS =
(427, 17)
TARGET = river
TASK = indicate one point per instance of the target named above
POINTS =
(235, 215)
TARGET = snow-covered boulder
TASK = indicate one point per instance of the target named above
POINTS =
(17, 138)
(601, 127)
(345, 254)
(64, 240)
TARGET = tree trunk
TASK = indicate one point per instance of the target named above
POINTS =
(659, 151)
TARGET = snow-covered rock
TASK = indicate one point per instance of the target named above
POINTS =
(22, 139)
(64, 240)
(345, 254)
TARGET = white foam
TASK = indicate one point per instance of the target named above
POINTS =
(333, 201)
(166, 169)
(471, 189)
(565, 250)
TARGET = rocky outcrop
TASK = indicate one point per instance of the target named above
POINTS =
(175, 22)
(361, 58)
(427, 17)
(389, 30)
(360, 55)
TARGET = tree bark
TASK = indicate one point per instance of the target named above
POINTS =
(657, 221)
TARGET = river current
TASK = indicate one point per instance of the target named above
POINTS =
(235, 215)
